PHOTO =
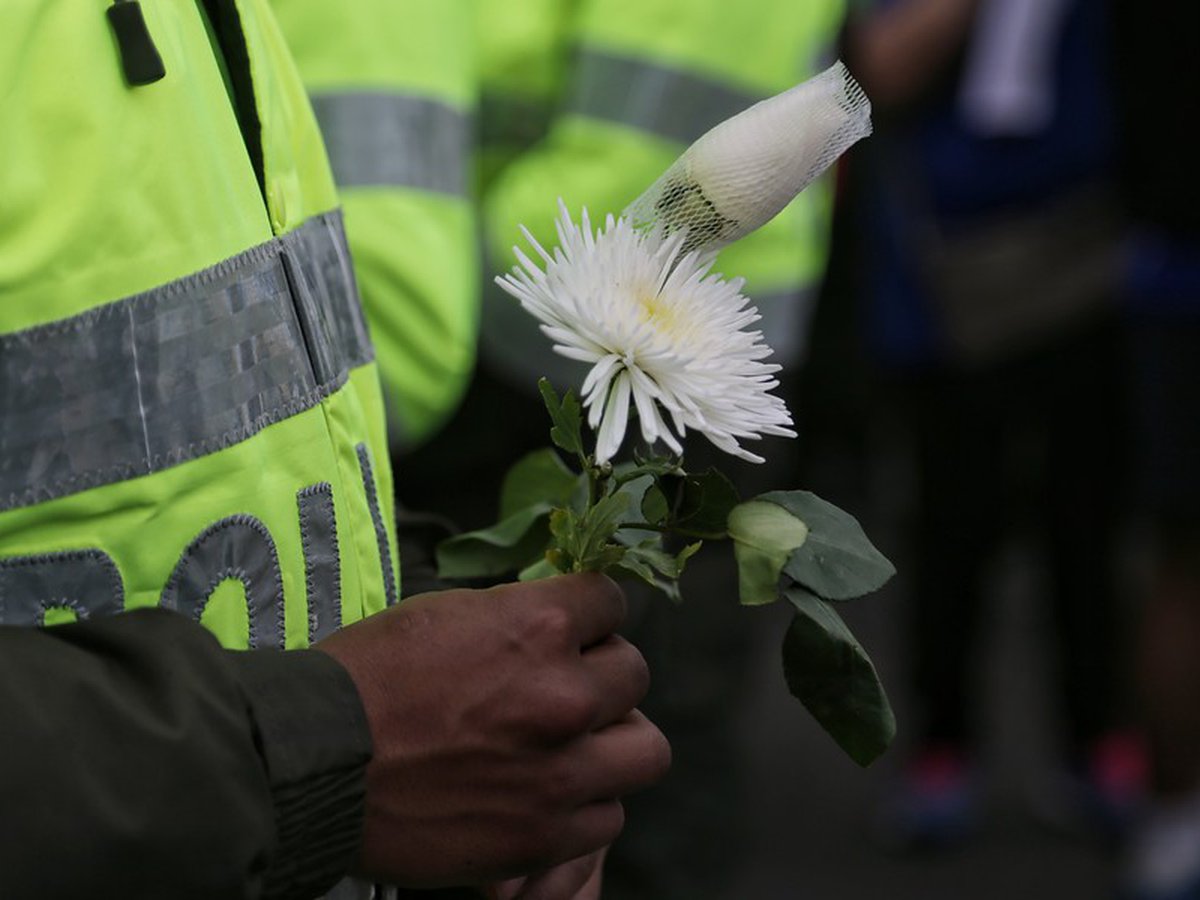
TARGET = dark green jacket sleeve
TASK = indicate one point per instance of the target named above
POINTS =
(138, 759)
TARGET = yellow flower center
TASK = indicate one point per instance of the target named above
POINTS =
(662, 316)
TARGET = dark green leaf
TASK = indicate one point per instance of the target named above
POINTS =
(829, 672)
(539, 477)
(640, 570)
(648, 561)
(652, 555)
(566, 416)
(838, 561)
(635, 565)
(668, 565)
(596, 550)
(586, 541)
(634, 489)
(657, 467)
(603, 557)
(703, 504)
(507, 546)
(654, 505)
(764, 535)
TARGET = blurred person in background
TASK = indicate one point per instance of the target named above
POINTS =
(393, 86)
(592, 100)
(395, 90)
(1159, 89)
(990, 284)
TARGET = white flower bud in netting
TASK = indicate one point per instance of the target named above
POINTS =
(743, 172)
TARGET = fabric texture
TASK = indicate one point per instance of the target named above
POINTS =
(204, 412)
(141, 760)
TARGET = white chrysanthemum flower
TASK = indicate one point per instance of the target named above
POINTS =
(658, 329)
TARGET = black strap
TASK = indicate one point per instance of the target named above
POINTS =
(139, 57)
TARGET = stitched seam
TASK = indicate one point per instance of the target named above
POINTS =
(362, 353)
(91, 554)
(239, 572)
(310, 587)
(323, 491)
(175, 456)
(381, 536)
(58, 603)
(257, 255)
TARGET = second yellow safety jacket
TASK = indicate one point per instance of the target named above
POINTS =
(393, 86)
(624, 86)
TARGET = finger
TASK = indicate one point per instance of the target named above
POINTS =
(594, 605)
(590, 827)
(505, 890)
(594, 885)
(564, 881)
(624, 758)
(591, 888)
(619, 676)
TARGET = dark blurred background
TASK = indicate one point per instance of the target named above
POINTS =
(995, 366)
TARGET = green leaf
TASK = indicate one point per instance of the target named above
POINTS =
(543, 568)
(634, 488)
(654, 506)
(564, 528)
(648, 561)
(764, 536)
(838, 561)
(603, 558)
(507, 546)
(829, 672)
(685, 554)
(586, 540)
(639, 569)
(539, 477)
(703, 504)
(599, 524)
(635, 565)
(666, 564)
(567, 416)
(656, 466)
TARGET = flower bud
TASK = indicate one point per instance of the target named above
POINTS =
(742, 173)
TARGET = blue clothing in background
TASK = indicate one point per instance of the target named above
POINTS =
(933, 175)
(1163, 275)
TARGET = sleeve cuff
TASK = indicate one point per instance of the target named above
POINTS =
(315, 743)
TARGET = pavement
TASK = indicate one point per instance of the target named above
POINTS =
(811, 810)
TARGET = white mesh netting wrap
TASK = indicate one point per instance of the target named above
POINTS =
(740, 174)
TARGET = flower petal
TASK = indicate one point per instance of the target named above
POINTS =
(657, 326)
(616, 416)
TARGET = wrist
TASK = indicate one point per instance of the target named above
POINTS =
(312, 735)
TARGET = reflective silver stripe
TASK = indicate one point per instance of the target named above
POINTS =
(322, 562)
(670, 103)
(181, 371)
(85, 581)
(381, 534)
(378, 139)
(237, 548)
(508, 119)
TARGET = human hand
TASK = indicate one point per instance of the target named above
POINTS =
(578, 879)
(504, 729)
